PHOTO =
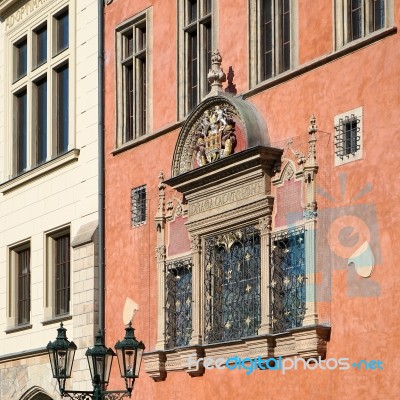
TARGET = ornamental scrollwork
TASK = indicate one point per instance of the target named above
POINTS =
(195, 243)
(310, 210)
(160, 253)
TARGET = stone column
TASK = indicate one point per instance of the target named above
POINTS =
(265, 237)
(160, 256)
(310, 216)
(197, 300)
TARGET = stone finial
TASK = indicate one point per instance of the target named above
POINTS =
(216, 76)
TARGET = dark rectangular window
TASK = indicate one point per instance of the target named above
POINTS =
(192, 11)
(21, 132)
(62, 109)
(62, 32)
(347, 138)
(62, 274)
(288, 279)
(285, 65)
(208, 50)
(129, 112)
(21, 59)
(378, 14)
(41, 46)
(138, 199)
(141, 80)
(355, 19)
(207, 6)
(178, 299)
(193, 76)
(267, 39)
(41, 121)
(24, 286)
(232, 285)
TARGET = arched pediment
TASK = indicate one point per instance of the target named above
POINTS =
(219, 126)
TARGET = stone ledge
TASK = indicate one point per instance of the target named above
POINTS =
(306, 342)
(40, 170)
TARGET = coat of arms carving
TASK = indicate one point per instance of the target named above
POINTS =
(214, 136)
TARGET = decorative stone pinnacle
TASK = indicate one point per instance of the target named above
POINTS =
(313, 125)
(216, 75)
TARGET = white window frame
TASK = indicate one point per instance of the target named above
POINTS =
(256, 67)
(184, 28)
(12, 285)
(50, 274)
(140, 129)
(47, 15)
(342, 21)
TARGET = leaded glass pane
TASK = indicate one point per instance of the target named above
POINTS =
(287, 286)
(232, 285)
(178, 303)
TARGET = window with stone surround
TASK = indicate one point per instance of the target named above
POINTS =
(40, 91)
(273, 48)
(133, 63)
(58, 274)
(196, 42)
(348, 136)
(242, 279)
(19, 287)
(356, 19)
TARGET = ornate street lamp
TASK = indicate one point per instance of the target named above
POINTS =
(61, 353)
(129, 350)
(129, 354)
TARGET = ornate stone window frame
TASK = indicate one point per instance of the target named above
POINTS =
(248, 175)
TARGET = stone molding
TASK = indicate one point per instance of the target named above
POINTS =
(307, 342)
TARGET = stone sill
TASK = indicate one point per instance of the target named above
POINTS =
(306, 342)
(55, 320)
(40, 170)
(18, 328)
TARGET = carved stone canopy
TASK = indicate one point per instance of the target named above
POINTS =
(219, 126)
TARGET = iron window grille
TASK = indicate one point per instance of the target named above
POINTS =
(232, 303)
(347, 138)
(178, 303)
(138, 198)
(24, 286)
(287, 282)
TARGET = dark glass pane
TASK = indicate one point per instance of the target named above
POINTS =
(142, 95)
(129, 116)
(62, 109)
(62, 31)
(350, 139)
(208, 41)
(141, 34)
(355, 19)
(285, 65)
(62, 265)
(267, 39)
(378, 14)
(21, 127)
(24, 286)
(192, 10)
(193, 78)
(128, 45)
(21, 59)
(41, 46)
(41, 129)
(207, 6)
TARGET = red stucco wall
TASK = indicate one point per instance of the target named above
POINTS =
(362, 327)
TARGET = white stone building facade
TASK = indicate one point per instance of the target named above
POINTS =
(48, 189)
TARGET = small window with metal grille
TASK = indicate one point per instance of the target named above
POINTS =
(138, 199)
(348, 137)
